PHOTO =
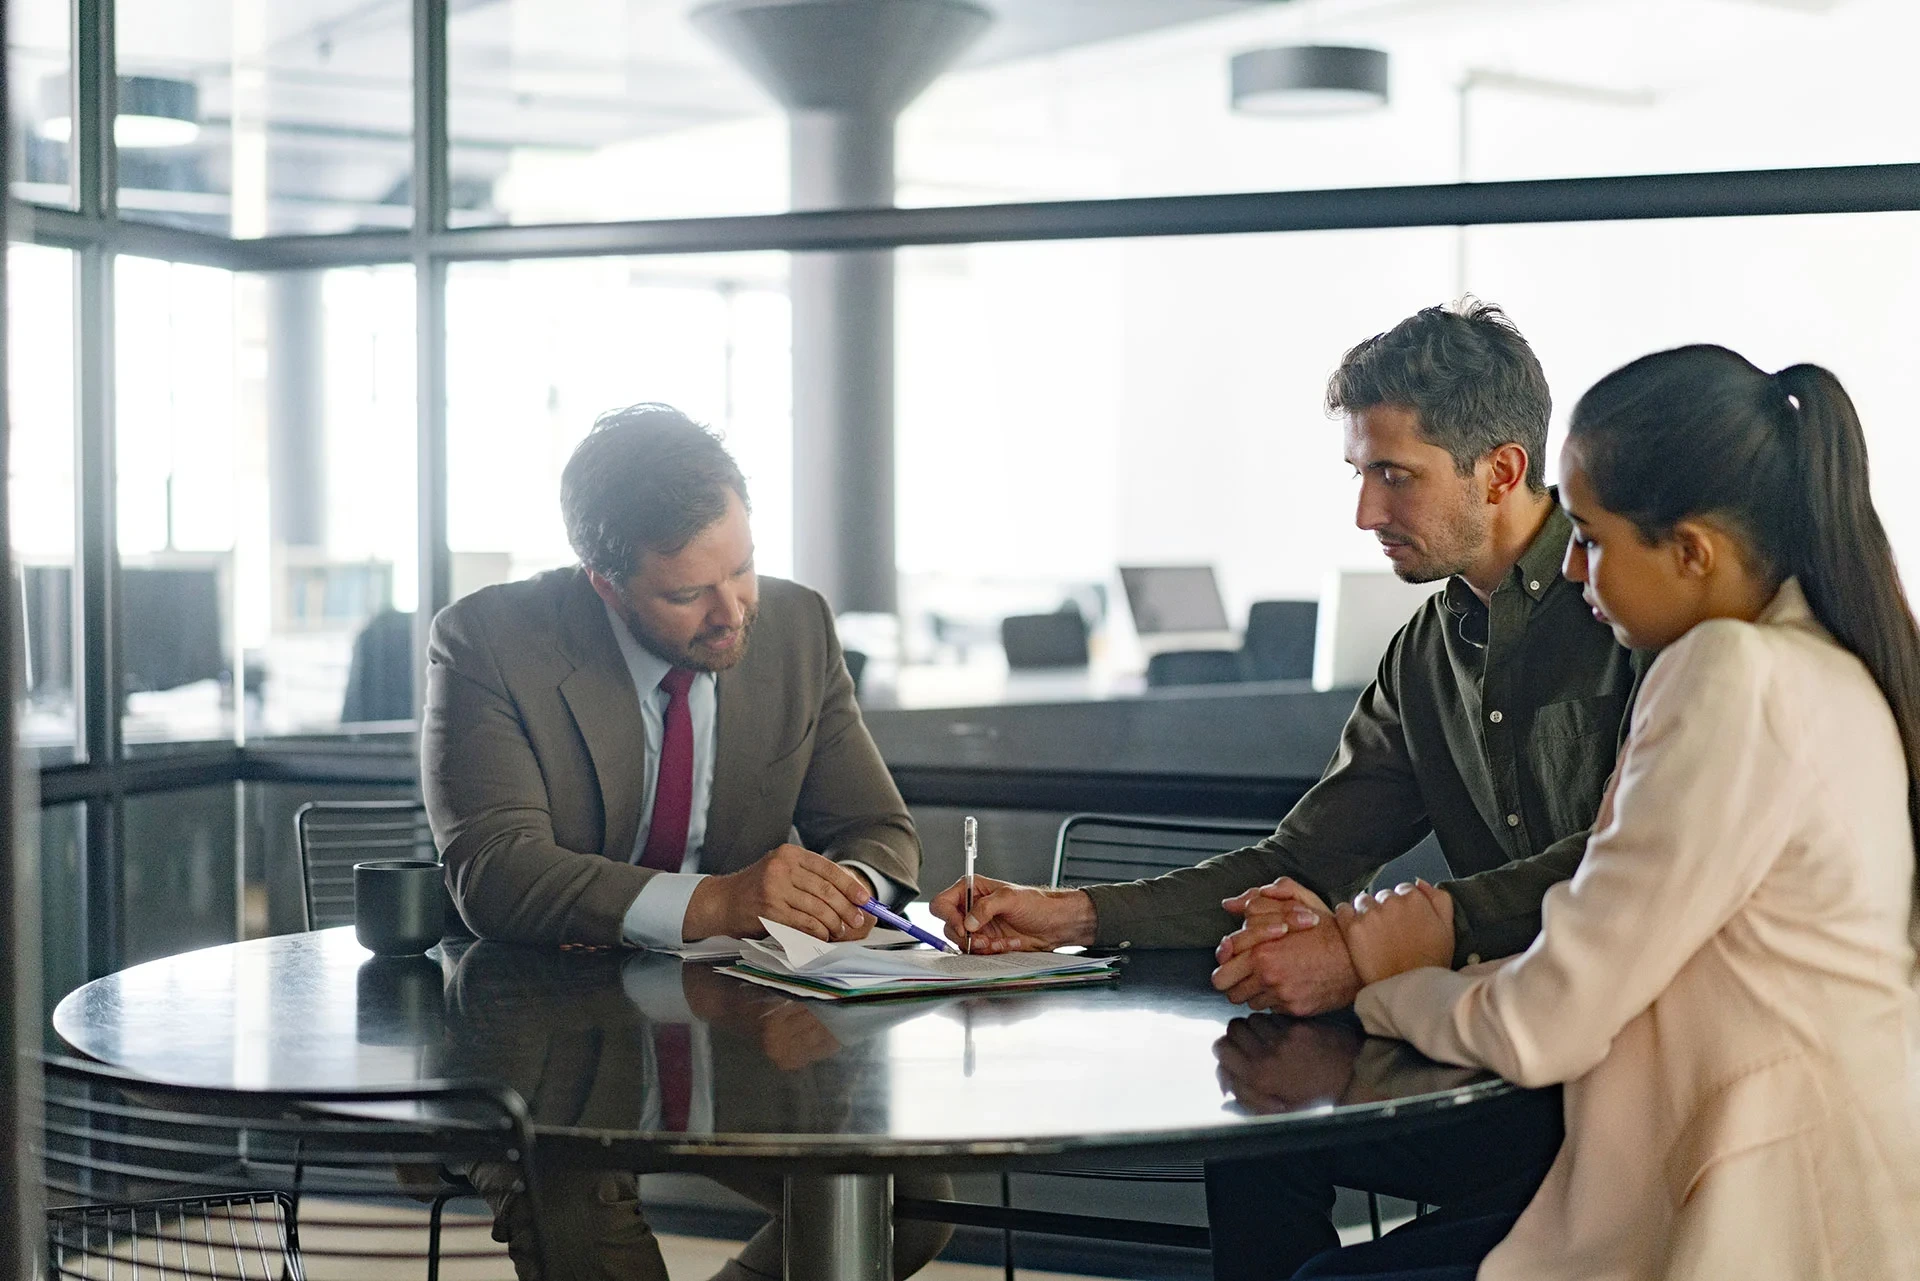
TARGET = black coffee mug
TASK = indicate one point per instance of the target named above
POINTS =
(399, 905)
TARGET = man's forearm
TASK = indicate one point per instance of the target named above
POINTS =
(1497, 912)
(1182, 908)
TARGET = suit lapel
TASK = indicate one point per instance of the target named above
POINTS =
(735, 763)
(599, 693)
(743, 697)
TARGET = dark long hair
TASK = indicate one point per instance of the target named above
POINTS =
(1701, 431)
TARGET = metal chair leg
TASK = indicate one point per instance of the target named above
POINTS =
(433, 1235)
(1006, 1234)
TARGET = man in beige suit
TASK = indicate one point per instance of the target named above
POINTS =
(657, 746)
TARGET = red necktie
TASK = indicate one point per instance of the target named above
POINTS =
(673, 1053)
(673, 787)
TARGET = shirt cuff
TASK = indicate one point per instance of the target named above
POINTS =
(883, 888)
(657, 916)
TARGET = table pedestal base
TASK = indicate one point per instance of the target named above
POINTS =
(839, 1227)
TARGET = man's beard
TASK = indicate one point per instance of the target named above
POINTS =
(1454, 552)
(696, 656)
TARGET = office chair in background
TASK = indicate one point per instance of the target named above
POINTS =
(1279, 642)
(1055, 640)
(1193, 667)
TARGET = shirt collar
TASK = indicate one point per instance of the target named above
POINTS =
(1535, 573)
(1789, 608)
(1539, 566)
(646, 666)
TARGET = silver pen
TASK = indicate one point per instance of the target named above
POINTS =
(970, 837)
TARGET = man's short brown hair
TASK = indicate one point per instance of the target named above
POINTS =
(646, 479)
(1465, 372)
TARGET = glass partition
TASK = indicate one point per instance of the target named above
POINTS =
(179, 869)
(584, 111)
(40, 77)
(535, 350)
(63, 907)
(1066, 409)
(1475, 92)
(40, 386)
(254, 118)
(328, 563)
(180, 410)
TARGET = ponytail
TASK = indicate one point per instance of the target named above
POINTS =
(1699, 430)
(1846, 564)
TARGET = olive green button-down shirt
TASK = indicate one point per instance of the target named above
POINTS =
(1493, 726)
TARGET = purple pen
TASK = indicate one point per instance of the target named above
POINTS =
(880, 911)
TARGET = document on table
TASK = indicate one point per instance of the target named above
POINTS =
(722, 948)
(804, 966)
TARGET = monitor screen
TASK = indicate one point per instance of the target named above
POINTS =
(172, 630)
(1173, 598)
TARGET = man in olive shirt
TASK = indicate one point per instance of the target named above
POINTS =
(1493, 723)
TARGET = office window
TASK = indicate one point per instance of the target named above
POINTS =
(1065, 409)
(178, 864)
(179, 400)
(40, 76)
(328, 565)
(63, 911)
(583, 110)
(1561, 90)
(41, 492)
(260, 118)
(535, 350)
(267, 499)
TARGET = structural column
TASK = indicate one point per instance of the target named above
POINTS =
(296, 410)
(843, 69)
(843, 369)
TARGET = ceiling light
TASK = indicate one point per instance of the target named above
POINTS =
(155, 112)
(1309, 80)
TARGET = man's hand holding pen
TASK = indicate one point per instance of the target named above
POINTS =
(1014, 918)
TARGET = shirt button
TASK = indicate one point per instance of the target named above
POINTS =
(1534, 586)
(1473, 958)
(1495, 717)
(1513, 820)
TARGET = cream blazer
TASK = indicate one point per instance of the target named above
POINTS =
(1726, 986)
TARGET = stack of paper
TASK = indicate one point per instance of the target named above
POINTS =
(722, 948)
(799, 964)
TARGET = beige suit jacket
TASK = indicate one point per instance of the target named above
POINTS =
(532, 758)
(1726, 984)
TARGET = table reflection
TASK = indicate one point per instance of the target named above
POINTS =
(612, 1045)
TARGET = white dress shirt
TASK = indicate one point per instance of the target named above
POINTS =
(658, 914)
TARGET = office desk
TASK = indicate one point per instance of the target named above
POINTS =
(832, 1097)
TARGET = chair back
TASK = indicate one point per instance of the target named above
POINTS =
(334, 835)
(1279, 640)
(149, 1179)
(1093, 849)
(1045, 640)
(1194, 667)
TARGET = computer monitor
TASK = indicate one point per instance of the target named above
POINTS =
(1173, 599)
(171, 626)
(1360, 610)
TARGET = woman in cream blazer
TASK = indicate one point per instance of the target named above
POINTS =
(1727, 984)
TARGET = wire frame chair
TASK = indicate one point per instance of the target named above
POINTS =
(154, 1180)
(1097, 848)
(334, 835)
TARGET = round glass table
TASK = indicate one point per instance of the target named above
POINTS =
(643, 1061)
